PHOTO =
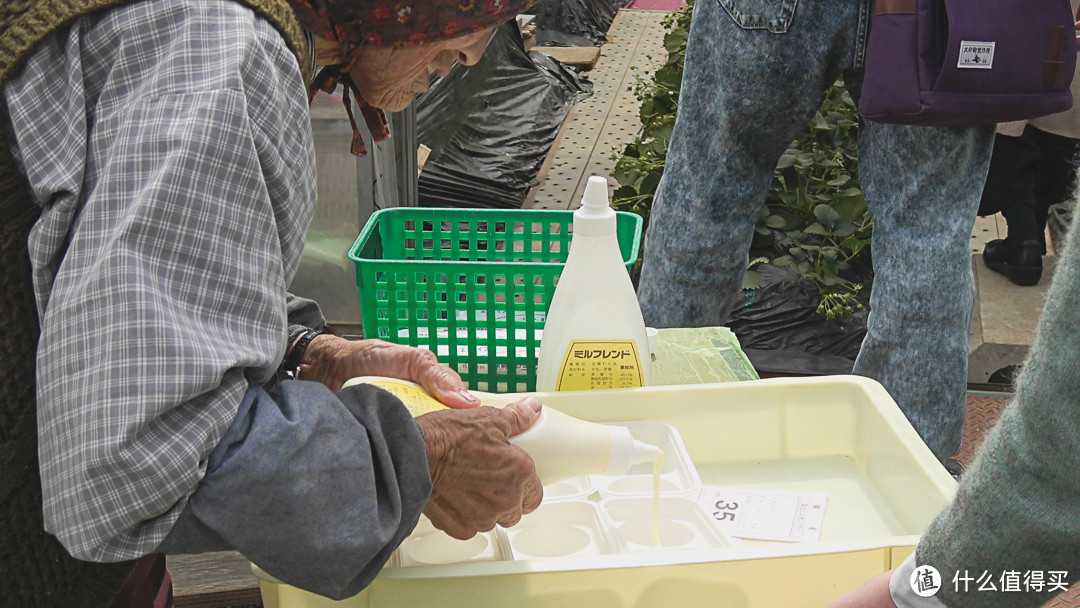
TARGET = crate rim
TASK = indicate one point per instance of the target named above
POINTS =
(369, 227)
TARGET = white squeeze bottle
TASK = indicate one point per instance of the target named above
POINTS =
(560, 445)
(594, 335)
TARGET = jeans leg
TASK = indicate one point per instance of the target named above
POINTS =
(922, 185)
(746, 94)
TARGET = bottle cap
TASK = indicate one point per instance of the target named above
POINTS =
(595, 217)
(596, 193)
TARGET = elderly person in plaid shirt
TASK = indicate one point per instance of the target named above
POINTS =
(185, 401)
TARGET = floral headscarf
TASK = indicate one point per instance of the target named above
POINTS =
(402, 22)
(392, 23)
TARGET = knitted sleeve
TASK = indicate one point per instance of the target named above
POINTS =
(1015, 523)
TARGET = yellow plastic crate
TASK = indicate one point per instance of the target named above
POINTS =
(843, 435)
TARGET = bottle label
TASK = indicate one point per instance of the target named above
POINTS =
(416, 400)
(599, 364)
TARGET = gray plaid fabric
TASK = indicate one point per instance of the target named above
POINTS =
(169, 145)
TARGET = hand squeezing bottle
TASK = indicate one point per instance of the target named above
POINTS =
(560, 445)
(594, 335)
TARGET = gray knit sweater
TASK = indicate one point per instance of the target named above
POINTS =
(1017, 511)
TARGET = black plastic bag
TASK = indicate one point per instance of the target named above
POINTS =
(781, 332)
(490, 126)
(574, 22)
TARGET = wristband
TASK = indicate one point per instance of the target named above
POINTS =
(290, 367)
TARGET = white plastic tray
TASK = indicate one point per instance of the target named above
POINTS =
(842, 435)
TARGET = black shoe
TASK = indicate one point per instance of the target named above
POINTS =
(954, 467)
(1020, 262)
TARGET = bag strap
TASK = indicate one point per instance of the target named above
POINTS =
(896, 7)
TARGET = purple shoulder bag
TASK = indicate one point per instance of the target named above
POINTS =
(968, 62)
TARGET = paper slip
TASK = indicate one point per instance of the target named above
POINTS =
(765, 515)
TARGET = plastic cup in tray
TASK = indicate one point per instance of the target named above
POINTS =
(683, 524)
(428, 546)
(677, 478)
(562, 529)
(575, 488)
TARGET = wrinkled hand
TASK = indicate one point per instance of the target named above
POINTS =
(478, 478)
(874, 593)
(333, 360)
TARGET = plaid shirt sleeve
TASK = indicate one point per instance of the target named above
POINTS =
(169, 145)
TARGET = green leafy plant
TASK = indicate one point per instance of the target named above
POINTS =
(815, 212)
(815, 221)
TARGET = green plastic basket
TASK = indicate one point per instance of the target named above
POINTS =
(473, 286)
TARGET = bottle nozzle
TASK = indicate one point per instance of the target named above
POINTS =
(596, 193)
(595, 217)
(627, 451)
(645, 452)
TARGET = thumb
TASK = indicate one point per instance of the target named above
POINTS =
(521, 415)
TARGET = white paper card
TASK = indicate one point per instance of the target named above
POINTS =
(766, 515)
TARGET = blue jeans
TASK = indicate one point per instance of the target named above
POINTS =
(756, 72)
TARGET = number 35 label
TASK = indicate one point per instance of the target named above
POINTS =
(765, 515)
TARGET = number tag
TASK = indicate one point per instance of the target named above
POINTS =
(758, 515)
